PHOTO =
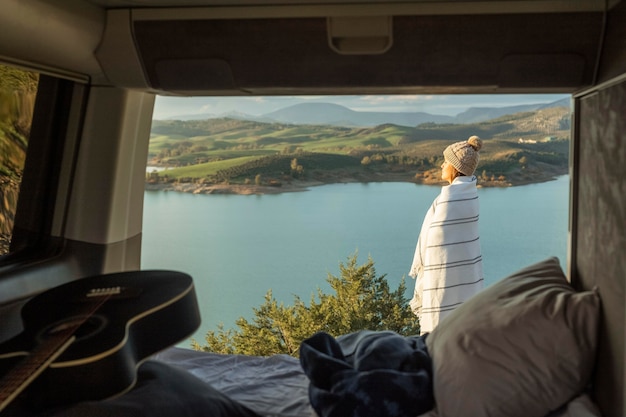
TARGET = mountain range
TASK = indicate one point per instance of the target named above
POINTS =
(337, 115)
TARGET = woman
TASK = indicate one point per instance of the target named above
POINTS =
(448, 264)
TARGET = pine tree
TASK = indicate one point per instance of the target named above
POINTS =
(361, 300)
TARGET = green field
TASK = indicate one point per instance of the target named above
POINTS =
(516, 147)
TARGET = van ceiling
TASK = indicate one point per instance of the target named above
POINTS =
(558, 4)
(406, 47)
(265, 47)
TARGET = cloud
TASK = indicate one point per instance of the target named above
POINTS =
(396, 99)
(395, 103)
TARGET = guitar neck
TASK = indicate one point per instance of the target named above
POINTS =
(14, 382)
(21, 376)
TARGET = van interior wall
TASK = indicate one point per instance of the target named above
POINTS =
(600, 259)
(599, 209)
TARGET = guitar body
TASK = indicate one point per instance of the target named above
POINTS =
(152, 310)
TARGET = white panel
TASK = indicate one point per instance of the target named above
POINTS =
(57, 38)
(106, 203)
(117, 52)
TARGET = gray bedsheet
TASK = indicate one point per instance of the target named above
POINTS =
(274, 386)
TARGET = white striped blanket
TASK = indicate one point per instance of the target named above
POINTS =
(448, 263)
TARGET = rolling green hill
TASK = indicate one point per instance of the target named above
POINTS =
(519, 148)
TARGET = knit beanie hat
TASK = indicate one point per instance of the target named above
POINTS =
(464, 155)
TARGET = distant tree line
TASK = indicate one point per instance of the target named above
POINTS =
(280, 165)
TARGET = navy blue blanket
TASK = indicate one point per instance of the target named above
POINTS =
(368, 374)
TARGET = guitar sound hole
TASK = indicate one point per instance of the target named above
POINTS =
(88, 328)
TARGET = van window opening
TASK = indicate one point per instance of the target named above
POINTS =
(210, 150)
(18, 89)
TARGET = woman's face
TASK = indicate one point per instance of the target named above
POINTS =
(448, 172)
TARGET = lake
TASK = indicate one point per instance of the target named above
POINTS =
(237, 247)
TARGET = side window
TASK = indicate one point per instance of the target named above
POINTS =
(18, 89)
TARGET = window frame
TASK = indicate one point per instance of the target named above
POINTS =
(38, 195)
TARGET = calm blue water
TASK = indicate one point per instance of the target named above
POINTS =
(238, 247)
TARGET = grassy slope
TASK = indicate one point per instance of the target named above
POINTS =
(235, 150)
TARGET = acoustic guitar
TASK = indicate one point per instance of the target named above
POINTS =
(85, 339)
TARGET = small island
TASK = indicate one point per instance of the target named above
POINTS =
(295, 185)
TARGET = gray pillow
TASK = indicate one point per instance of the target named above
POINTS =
(523, 347)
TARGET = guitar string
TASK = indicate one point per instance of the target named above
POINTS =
(23, 373)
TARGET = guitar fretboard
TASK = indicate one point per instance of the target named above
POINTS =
(38, 359)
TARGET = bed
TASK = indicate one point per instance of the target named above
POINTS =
(524, 346)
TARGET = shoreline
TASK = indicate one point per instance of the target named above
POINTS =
(300, 186)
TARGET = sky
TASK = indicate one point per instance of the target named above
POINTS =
(450, 105)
